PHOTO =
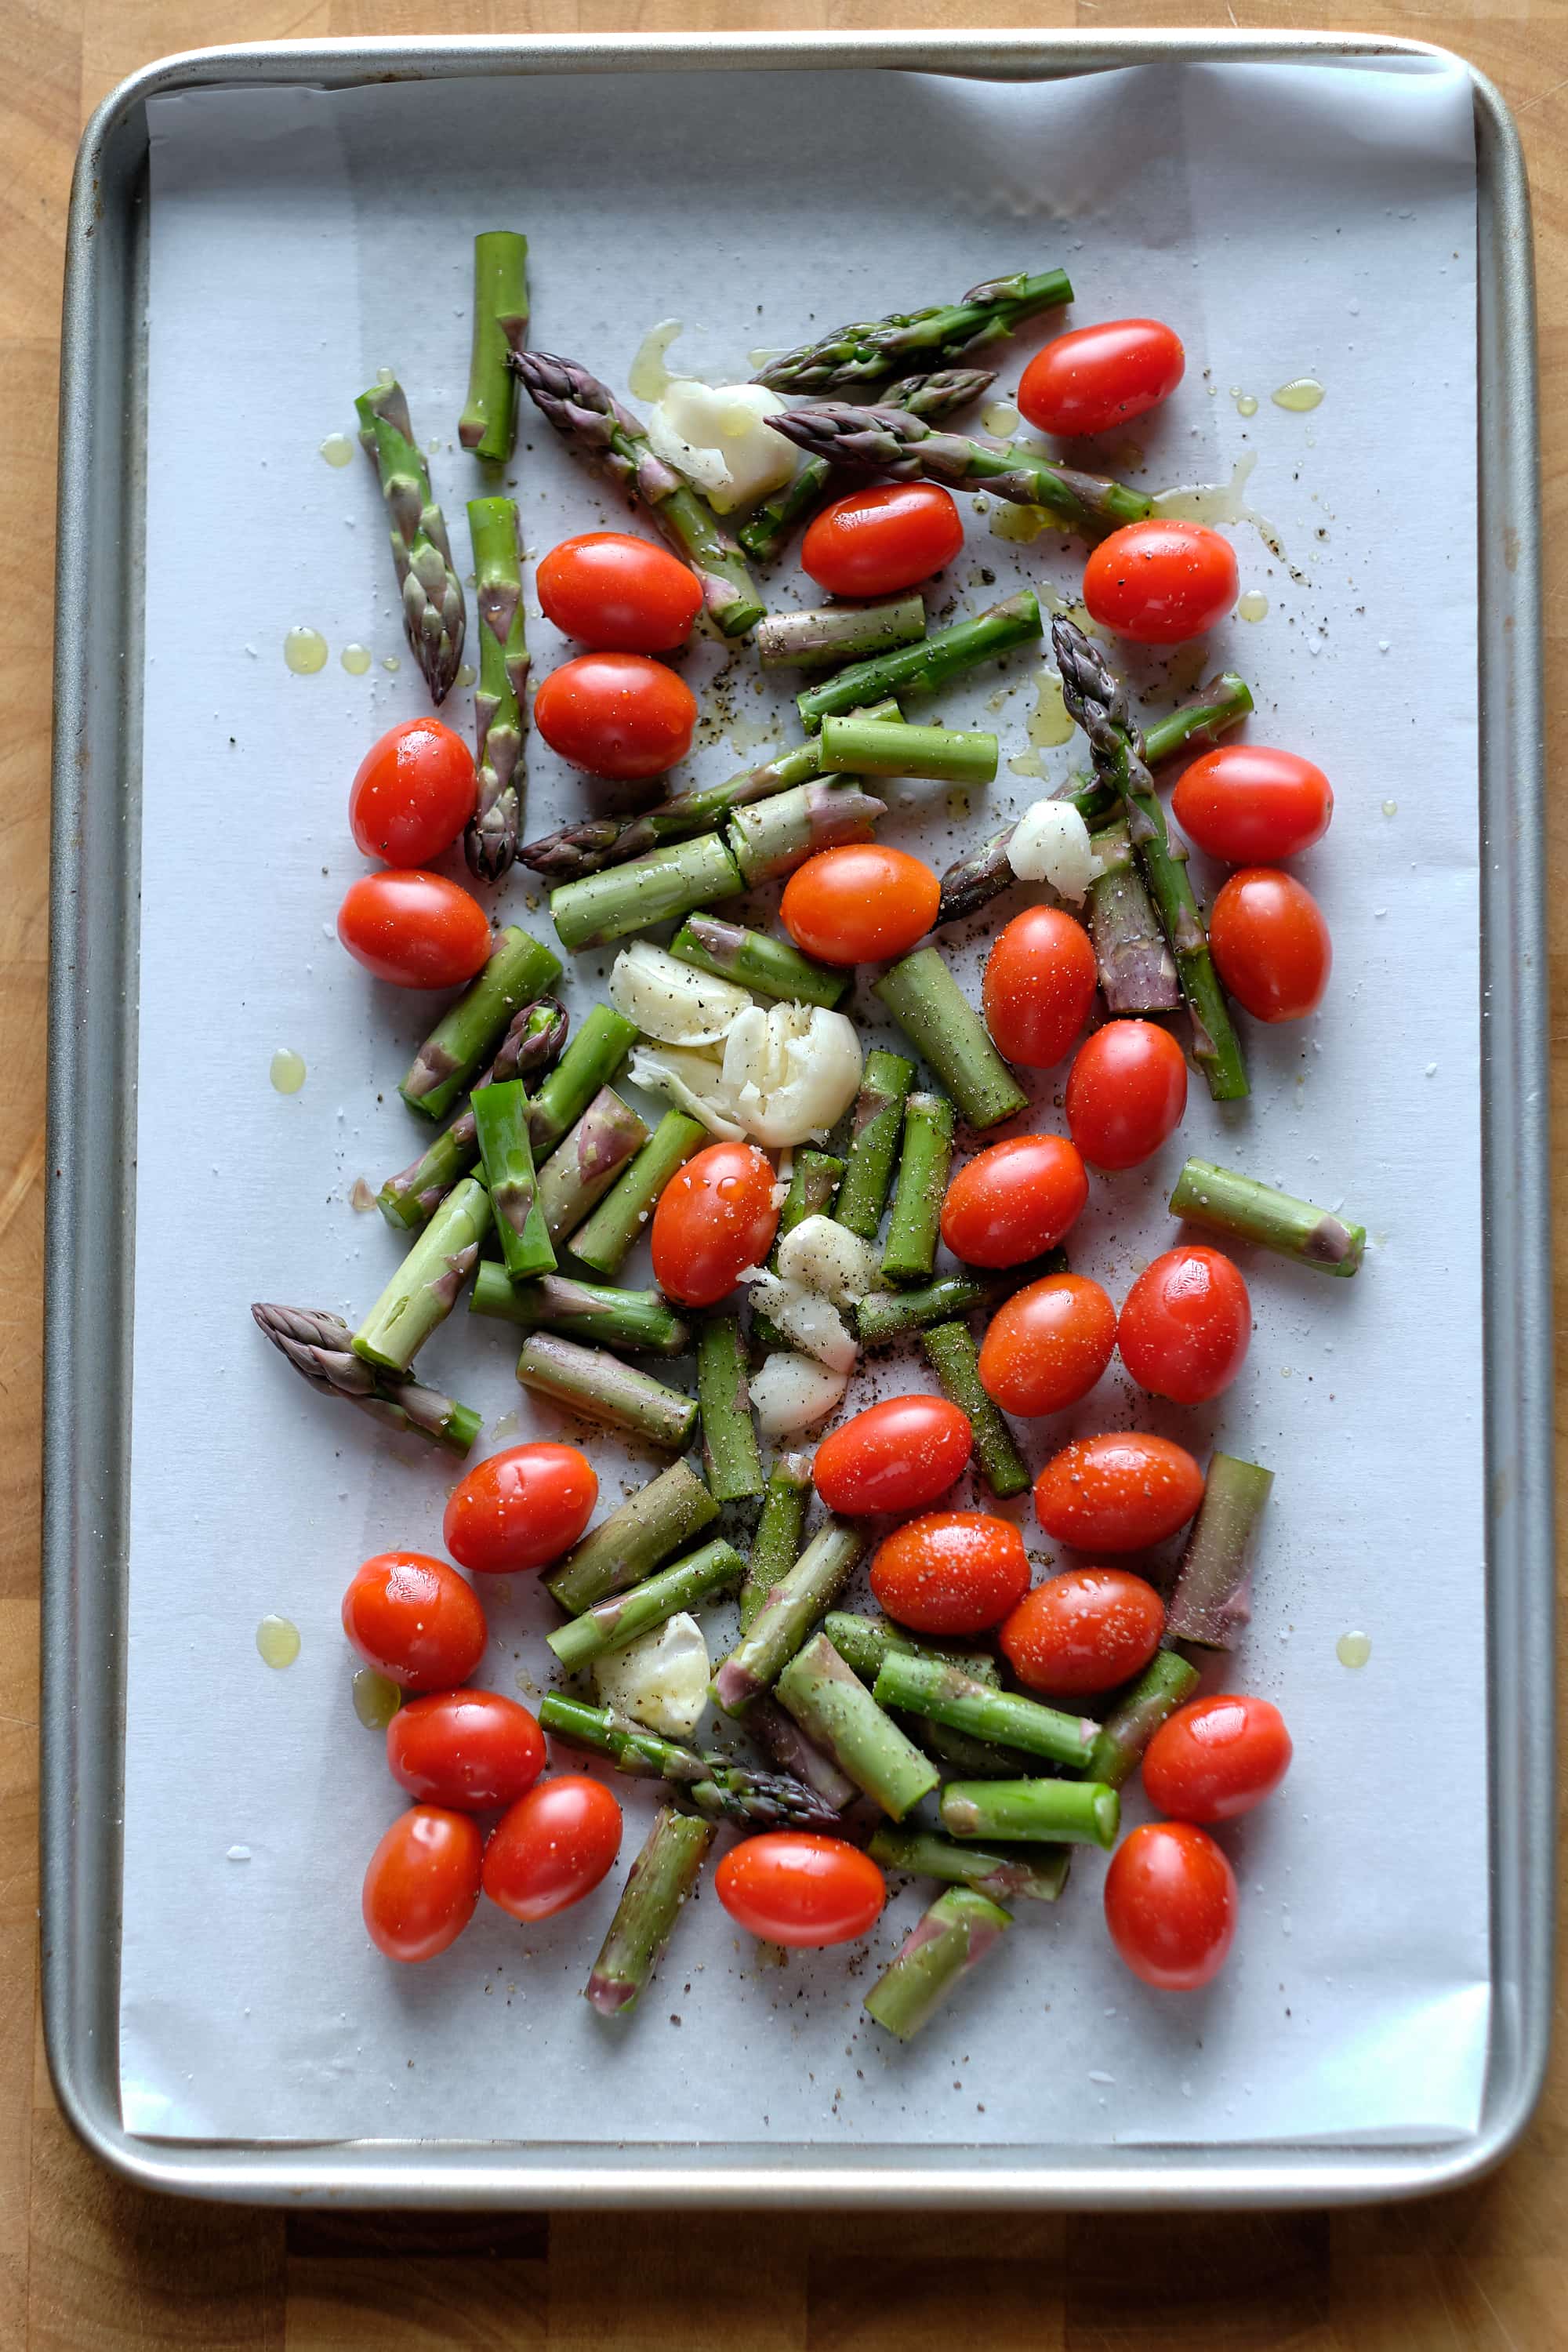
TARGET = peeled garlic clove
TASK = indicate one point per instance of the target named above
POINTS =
(718, 436)
(827, 1259)
(811, 1322)
(661, 1679)
(795, 1392)
(792, 1071)
(669, 1001)
(693, 1082)
(1050, 843)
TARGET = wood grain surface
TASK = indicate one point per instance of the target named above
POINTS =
(87, 2263)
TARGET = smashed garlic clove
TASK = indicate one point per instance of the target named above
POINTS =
(718, 435)
(693, 1082)
(792, 1071)
(661, 1679)
(813, 1323)
(1050, 843)
(792, 1393)
(669, 1001)
(824, 1256)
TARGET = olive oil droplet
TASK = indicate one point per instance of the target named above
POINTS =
(1353, 1649)
(1252, 605)
(1246, 405)
(305, 651)
(376, 1700)
(1023, 523)
(338, 449)
(361, 1197)
(355, 659)
(1000, 418)
(277, 1641)
(1048, 722)
(467, 675)
(391, 662)
(287, 1070)
(1302, 392)
(648, 378)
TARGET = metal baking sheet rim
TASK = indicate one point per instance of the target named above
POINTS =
(89, 1305)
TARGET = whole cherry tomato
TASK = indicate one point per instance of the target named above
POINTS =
(1083, 1631)
(519, 1509)
(1216, 1758)
(618, 593)
(422, 1884)
(1160, 583)
(1118, 1493)
(1170, 1905)
(859, 903)
(715, 1216)
(1048, 1345)
(1125, 1093)
(898, 1456)
(415, 1619)
(1014, 1199)
(553, 1847)
(1270, 944)
(412, 793)
(795, 1888)
(469, 1749)
(618, 715)
(1098, 377)
(1186, 1325)
(1039, 987)
(1249, 804)
(950, 1572)
(874, 542)
(413, 928)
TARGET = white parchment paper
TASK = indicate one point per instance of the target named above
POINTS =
(1288, 221)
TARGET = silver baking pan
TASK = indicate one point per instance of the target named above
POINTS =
(92, 1046)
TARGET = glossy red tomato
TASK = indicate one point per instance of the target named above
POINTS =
(1039, 986)
(1270, 944)
(1118, 1493)
(423, 1883)
(1160, 583)
(859, 903)
(715, 1216)
(553, 1847)
(520, 1509)
(1048, 1345)
(1083, 1631)
(1170, 1905)
(413, 928)
(874, 542)
(1014, 1199)
(797, 1889)
(467, 1749)
(618, 715)
(1125, 1093)
(1216, 1758)
(1249, 804)
(898, 1456)
(1098, 377)
(415, 1619)
(619, 593)
(1186, 1325)
(950, 1572)
(412, 793)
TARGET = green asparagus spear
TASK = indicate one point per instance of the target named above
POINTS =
(790, 1608)
(867, 1643)
(938, 1019)
(501, 1125)
(954, 1936)
(321, 1348)
(961, 1756)
(768, 967)
(717, 1789)
(433, 615)
(1249, 1211)
(1078, 1812)
(488, 424)
(489, 843)
(834, 1709)
(953, 1359)
(883, 1315)
(586, 1163)
(768, 528)
(640, 1321)
(660, 887)
(731, 1463)
(872, 746)
(599, 1387)
(838, 634)
(535, 1037)
(1210, 1604)
(877, 1123)
(624, 1617)
(590, 1062)
(775, 1546)
(926, 1156)
(890, 442)
(927, 668)
(1137, 971)
(424, 1290)
(603, 1242)
(946, 1694)
(520, 970)
(630, 1544)
(661, 1878)
(781, 1738)
(856, 357)
(1166, 1683)
(768, 841)
(1004, 1873)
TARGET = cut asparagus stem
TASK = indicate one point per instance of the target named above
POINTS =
(839, 634)
(1210, 1604)
(790, 1609)
(953, 1358)
(768, 967)
(889, 441)
(531, 1044)
(938, 1019)
(1075, 1813)
(424, 1290)
(954, 1936)
(1097, 698)
(659, 888)
(856, 357)
(1137, 971)
(1249, 1211)
(500, 1124)
(910, 1252)
(927, 668)
(488, 424)
(599, 1387)
(719, 1790)
(870, 747)
(643, 1322)
(783, 1741)
(768, 841)
(588, 415)
(586, 1163)
(961, 1756)
(604, 1242)
(520, 970)
(630, 1545)
(624, 1617)
(947, 1694)
(590, 1062)
(660, 1879)
(1033, 1873)
(813, 1181)
(1166, 1683)
(867, 1643)
(878, 1122)
(489, 843)
(775, 1546)
(836, 1711)
(731, 1463)
(321, 1348)
(433, 615)
(882, 1317)
(769, 528)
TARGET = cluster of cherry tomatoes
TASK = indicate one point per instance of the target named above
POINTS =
(613, 710)
(412, 795)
